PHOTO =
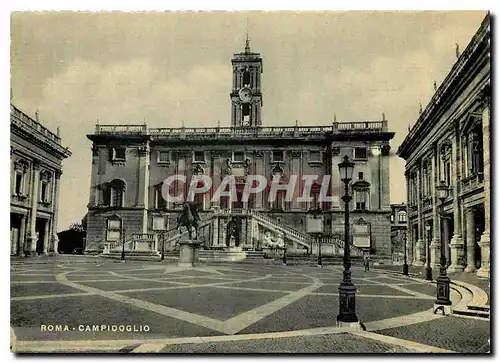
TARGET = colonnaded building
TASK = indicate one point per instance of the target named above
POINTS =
(450, 143)
(36, 156)
(130, 163)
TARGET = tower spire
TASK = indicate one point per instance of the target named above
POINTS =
(247, 41)
(247, 44)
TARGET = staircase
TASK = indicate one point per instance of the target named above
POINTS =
(475, 301)
(290, 233)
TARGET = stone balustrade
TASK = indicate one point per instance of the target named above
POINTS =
(243, 132)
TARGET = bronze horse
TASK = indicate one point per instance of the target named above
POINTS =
(189, 218)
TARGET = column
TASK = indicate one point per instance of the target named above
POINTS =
(259, 170)
(215, 231)
(46, 237)
(55, 211)
(243, 233)
(385, 181)
(409, 234)
(94, 185)
(143, 185)
(457, 242)
(22, 236)
(295, 166)
(35, 180)
(335, 178)
(216, 177)
(250, 229)
(484, 270)
(222, 231)
(470, 238)
(420, 246)
(435, 242)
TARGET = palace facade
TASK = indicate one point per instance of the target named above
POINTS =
(131, 162)
(450, 143)
(36, 156)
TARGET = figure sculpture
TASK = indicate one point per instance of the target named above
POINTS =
(189, 218)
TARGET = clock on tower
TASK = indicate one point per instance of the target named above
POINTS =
(246, 96)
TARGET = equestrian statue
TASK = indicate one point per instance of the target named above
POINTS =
(189, 218)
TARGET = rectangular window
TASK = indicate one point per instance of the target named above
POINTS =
(113, 232)
(278, 155)
(163, 157)
(360, 153)
(360, 175)
(315, 156)
(361, 200)
(238, 156)
(43, 192)
(160, 202)
(199, 156)
(447, 171)
(119, 153)
(402, 217)
(116, 197)
(19, 184)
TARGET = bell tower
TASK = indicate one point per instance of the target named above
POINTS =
(246, 96)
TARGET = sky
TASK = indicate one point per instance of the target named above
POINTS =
(167, 68)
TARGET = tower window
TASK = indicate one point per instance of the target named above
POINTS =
(360, 175)
(246, 78)
(245, 111)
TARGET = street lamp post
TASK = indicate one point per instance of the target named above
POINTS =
(443, 302)
(428, 269)
(284, 255)
(347, 290)
(405, 262)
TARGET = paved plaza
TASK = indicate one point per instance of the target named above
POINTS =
(81, 305)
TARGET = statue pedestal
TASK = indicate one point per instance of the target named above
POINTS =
(188, 254)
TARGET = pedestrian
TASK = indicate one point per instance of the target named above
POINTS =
(366, 262)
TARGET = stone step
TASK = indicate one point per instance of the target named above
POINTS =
(472, 312)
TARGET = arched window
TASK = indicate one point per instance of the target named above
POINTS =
(117, 193)
(402, 216)
(246, 77)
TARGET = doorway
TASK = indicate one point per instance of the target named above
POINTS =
(40, 234)
(479, 229)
